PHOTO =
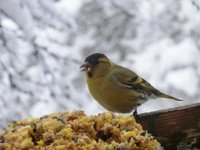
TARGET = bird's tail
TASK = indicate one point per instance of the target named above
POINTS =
(163, 95)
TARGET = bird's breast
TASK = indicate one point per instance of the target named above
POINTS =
(112, 96)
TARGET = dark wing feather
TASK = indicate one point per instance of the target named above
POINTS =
(131, 80)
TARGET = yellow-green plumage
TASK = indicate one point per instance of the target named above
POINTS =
(110, 94)
(116, 88)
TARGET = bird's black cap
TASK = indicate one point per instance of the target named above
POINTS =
(93, 58)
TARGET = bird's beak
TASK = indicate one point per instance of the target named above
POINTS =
(85, 67)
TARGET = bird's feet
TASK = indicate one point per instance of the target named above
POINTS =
(135, 112)
(135, 115)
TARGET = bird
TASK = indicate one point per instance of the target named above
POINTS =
(117, 88)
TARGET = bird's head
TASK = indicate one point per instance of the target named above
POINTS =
(96, 63)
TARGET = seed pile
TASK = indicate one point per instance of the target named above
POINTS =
(76, 131)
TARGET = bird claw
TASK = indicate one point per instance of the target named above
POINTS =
(135, 112)
(135, 115)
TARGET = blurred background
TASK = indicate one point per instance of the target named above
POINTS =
(43, 43)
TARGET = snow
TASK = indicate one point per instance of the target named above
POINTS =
(9, 24)
(40, 109)
(197, 3)
(183, 79)
(24, 21)
(43, 43)
(164, 55)
(72, 6)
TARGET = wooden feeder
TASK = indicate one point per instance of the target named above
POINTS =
(175, 128)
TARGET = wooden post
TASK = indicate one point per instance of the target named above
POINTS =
(175, 127)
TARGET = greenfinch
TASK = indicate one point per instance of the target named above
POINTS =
(116, 88)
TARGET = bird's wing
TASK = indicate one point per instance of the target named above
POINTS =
(129, 79)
